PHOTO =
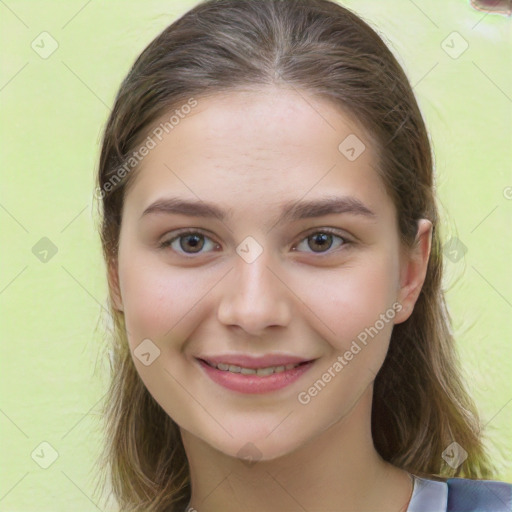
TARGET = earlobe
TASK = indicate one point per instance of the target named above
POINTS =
(113, 284)
(414, 270)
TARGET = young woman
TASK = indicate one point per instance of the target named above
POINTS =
(271, 236)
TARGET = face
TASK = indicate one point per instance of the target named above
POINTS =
(254, 238)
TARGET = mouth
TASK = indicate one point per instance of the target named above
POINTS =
(259, 371)
(246, 374)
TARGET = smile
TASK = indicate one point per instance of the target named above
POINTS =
(252, 371)
(264, 379)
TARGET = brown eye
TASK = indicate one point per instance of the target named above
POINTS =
(189, 243)
(322, 241)
(194, 241)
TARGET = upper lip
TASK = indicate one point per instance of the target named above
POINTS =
(247, 361)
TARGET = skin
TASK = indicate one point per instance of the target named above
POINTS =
(249, 152)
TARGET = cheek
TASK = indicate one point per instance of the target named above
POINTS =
(359, 306)
(348, 300)
(163, 305)
(158, 300)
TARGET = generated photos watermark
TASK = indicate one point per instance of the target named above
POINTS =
(150, 143)
(304, 397)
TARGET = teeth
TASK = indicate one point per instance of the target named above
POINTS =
(265, 371)
(253, 371)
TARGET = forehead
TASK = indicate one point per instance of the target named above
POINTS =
(271, 120)
(277, 143)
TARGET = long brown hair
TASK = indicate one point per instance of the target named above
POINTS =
(420, 405)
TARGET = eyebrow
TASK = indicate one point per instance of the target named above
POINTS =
(290, 211)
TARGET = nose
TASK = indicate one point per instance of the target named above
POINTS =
(255, 297)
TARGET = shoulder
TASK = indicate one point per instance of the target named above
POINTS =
(460, 495)
(466, 495)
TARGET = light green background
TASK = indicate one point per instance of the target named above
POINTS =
(52, 113)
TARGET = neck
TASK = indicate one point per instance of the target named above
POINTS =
(339, 469)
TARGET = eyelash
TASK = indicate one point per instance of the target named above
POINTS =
(181, 234)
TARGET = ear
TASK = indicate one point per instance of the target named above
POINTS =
(113, 284)
(413, 269)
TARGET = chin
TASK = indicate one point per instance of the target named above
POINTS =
(251, 449)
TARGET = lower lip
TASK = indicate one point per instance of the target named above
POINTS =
(253, 383)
